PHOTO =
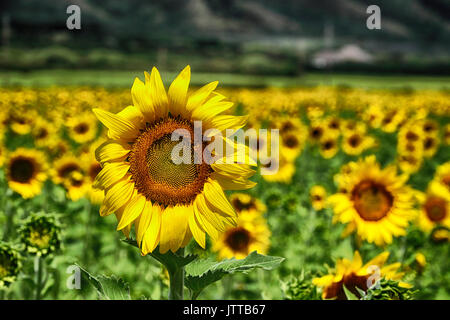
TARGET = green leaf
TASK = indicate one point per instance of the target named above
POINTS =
(350, 295)
(108, 288)
(202, 273)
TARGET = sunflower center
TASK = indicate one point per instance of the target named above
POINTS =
(316, 133)
(43, 133)
(291, 141)
(411, 136)
(428, 143)
(22, 170)
(240, 205)
(94, 170)
(351, 282)
(354, 140)
(67, 169)
(436, 209)
(154, 171)
(81, 128)
(371, 200)
(238, 239)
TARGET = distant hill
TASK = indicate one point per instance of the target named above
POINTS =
(143, 22)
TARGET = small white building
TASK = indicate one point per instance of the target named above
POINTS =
(347, 53)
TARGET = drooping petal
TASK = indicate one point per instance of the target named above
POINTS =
(152, 234)
(111, 151)
(117, 196)
(110, 174)
(143, 221)
(216, 198)
(133, 209)
(173, 228)
(196, 229)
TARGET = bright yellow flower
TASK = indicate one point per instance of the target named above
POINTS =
(167, 203)
(318, 196)
(243, 202)
(353, 274)
(26, 171)
(435, 207)
(375, 202)
(250, 234)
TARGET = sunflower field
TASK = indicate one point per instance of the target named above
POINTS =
(357, 208)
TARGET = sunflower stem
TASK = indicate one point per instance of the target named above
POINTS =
(38, 265)
(176, 280)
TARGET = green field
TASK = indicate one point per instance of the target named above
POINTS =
(104, 78)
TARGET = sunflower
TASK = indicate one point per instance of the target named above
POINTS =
(328, 146)
(92, 168)
(376, 203)
(43, 132)
(167, 202)
(82, 128)
(430, 145)
(291, 145)
(21, 121)
(289, 125)
(10, 265)
(317, 130)
(250, 234)
(243, 202)
(446, 134)
(442, 176)
(409, 162)
(26, 171)
(353, 274)
(76, 185)
(63, 167)
(355, 143)
(41, 234)
(317, 195)
(435, 208)
(277, 169)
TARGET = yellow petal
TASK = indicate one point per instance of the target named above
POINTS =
(152, 235)
(173, 228)
(224, 122)
(206, 212)
(141, 99)
(207, 112)
(204, 223)
(117, 196)
(196, 99)
(110, 174)
(232, 184)
(177, 92)
(197, 231)
(216, 198)
(143, 221)
(158, 94)
(119, 127)
(133, 209)
(111, 151)
(132, 114)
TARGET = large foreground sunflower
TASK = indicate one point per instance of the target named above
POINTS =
(26, 171)
(167, 202)
(353, 274)
(374, 202)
